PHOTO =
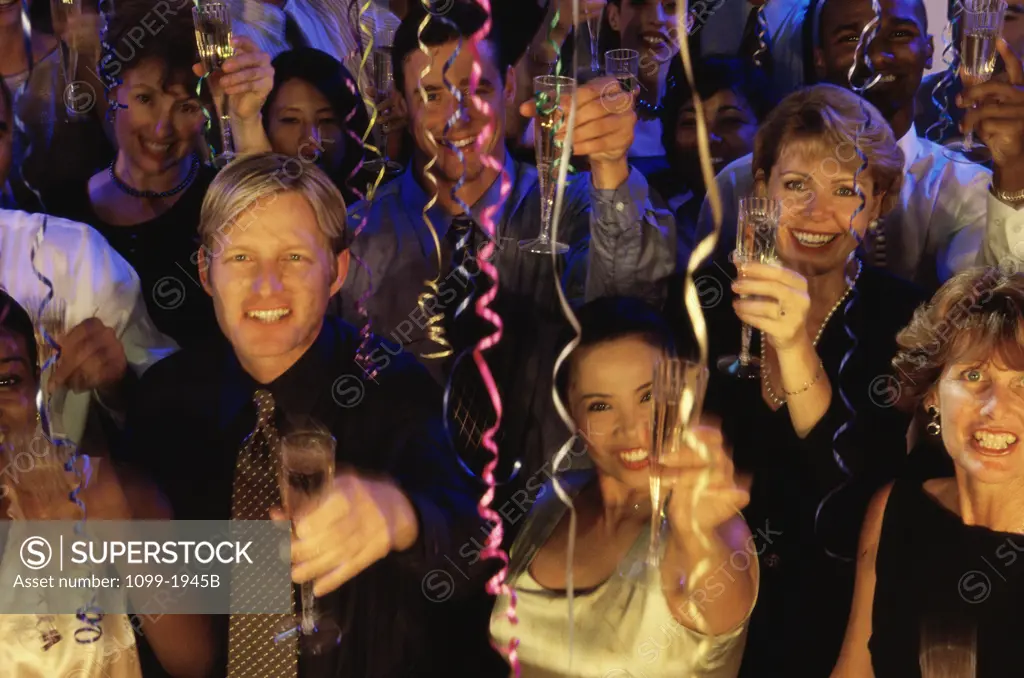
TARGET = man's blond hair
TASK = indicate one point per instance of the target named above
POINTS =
(249, 184)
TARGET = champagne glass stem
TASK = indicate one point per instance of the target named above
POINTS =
(308, 609)
(593, 26)
(745, 340)
(226, 137)
(654, 544)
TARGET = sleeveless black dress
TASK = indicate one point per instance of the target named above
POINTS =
(933, 571)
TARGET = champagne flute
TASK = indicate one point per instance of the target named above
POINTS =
(594, 30)
(61, 12)
(37, 487)
(981, 29)
(383, 82)
(757, 225)
(213, 39)
(624, 66)
(38, 484)
(552, 95)
(948, 653)
(307, 473)
(677, 399)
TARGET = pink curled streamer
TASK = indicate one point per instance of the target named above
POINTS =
(498, 584)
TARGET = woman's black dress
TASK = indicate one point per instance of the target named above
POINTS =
(163, 252)
(952, 580)
(807, 571)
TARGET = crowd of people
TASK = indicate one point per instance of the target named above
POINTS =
(831, 515)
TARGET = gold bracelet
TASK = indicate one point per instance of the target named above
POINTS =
(808, 385)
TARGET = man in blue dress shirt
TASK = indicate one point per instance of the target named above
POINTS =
(618, 243)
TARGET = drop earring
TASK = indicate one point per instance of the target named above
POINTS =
(933, 427)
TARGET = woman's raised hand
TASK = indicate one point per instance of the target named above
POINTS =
(778, 306)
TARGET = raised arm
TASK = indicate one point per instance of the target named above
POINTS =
(855, 658)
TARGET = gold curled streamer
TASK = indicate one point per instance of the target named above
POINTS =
(563, 171)
(434, 329)
(692, 302)
(370, 103)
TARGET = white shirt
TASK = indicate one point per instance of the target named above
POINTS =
(23, 653)
(947, 220)
(90, 279)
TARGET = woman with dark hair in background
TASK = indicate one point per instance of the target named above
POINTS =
(310, 112)
(736, 97)
(147, 202)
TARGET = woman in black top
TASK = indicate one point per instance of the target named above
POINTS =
(147, 202)
(312, 113)
(940, 562)
(806, 507)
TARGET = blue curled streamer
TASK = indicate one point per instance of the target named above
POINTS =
(862, 51)
(940, 93)
(854, 297)
(90, 615)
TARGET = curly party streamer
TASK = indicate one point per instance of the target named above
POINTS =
(362, 358)
(498, 584)
(762, 35)
(851, 284)
(693, 306)
(90, 615)
(951, 58)
(434, 327)
(544, 106)
(863, 50)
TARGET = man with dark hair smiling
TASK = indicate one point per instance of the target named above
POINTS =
(951, 215)
(618, 242)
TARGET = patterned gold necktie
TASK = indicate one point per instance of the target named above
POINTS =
(252, 651)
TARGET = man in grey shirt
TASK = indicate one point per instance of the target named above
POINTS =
(618, 244)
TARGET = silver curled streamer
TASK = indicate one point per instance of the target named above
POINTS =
(694, 311)
(867, 36)
(951, 58)
(91, 616)
(563, 452)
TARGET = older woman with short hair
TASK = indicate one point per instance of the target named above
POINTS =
(937, 561)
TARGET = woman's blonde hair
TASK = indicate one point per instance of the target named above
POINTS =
(835, 122)
(241, 187)
(977, 315)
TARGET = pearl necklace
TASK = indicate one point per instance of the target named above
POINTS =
(766, 376)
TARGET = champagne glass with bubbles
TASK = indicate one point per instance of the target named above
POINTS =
(307, 474)
(554, 94)
(677, 399)
(982, 26)
(213, 39)
(948, 652)
(383, 83)
(624, 66)
(594, 31)
(757, 226)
